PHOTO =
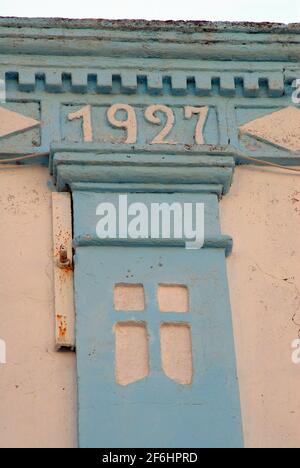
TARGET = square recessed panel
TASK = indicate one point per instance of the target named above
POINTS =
(129, 297)
(173, 298)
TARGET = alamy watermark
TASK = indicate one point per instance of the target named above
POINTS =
(296, 93)
(2, 88)
(2, 352)
(296, 352)
(121, 220)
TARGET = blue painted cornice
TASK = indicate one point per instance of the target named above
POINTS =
(240, 71)
(162, 169)
(151, 39)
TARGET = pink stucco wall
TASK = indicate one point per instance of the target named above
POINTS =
(262, 213)
(38, 385)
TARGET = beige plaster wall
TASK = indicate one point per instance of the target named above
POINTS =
(38, 385)
(262, 213)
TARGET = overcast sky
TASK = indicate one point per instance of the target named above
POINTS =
(286, 11)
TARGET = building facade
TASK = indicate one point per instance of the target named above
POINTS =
(128, 319)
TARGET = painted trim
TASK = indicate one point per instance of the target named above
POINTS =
(92, 163)
(192, 40)
(63, 273)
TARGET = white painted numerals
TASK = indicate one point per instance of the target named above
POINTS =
(158, 114)
(86, 115)
(152, 116)
(129, 124)
(202, 116)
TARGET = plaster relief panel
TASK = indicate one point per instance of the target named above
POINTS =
(280, 128)
(272, 127)
(173, 298)
(20, 126)
(153, 124)
(129, 297)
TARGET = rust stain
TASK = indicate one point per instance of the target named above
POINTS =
(62, 326)
(61, 238)
(68, 269)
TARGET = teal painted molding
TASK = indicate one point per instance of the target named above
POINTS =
(222, 242)
(189, 40)
(241, 71)
(131, 77)
(86, 203)
(184, 168)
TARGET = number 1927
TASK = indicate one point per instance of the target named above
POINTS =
(153, 114)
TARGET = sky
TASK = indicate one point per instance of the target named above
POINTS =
(284, 11)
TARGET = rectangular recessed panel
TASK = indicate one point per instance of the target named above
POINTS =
(173, 298)
(176, 352)
(132, 359)
(129, 297)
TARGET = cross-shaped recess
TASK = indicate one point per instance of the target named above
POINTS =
(132, 341)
